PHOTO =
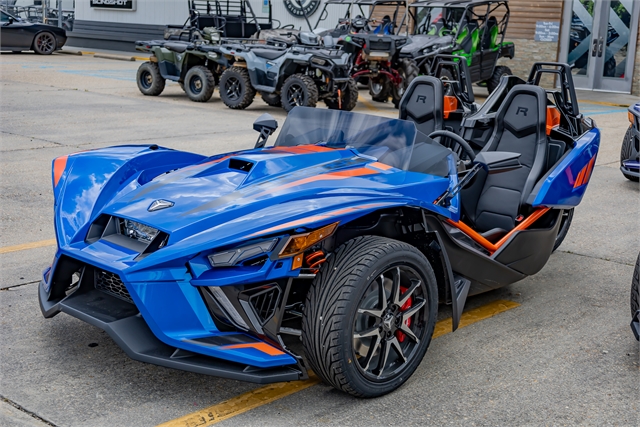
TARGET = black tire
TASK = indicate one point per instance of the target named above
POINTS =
(498, 72)
(635, 288)
(447, 76)
(626, 151)
(610, 67)
(409, 70)
(299, 90)
(271, 99)
(380, 89)
(236, 90)
(565, 223)
(150, 81)
(44, 43)
(199, 83)
(349, 98)
(333, 315)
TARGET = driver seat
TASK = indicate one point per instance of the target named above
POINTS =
(495, 202)
(423, 104)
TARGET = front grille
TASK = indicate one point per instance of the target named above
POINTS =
(383, 46)
(111, 284)
(264, 303)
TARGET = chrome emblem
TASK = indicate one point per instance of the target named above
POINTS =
(160, 204)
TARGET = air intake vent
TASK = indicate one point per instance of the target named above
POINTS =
(264, 302)
(241, 165)
(111, 284)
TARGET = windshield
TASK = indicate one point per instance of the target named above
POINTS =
(390, 141)
(436, 21)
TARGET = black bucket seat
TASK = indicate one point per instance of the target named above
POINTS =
(496, 201)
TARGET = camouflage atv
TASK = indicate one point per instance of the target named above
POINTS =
(472, 29)
(194, 62)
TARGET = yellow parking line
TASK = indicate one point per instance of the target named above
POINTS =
(367, 104)
(267, 394)
(609, 104)
(25, 246)
(140, 58)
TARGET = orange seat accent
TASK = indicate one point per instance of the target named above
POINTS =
(553, 118)
(491, 247)
(450, 105)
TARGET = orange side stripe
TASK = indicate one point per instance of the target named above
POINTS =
(381, 166)
(590, 169)
(260, 346)
(580, 178)
(494, 247)
(59, 165)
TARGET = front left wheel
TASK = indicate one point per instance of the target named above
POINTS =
(369, 315)
(150, 81)
(44, 43)
(299, 90)
(626, 152)
(236, 90)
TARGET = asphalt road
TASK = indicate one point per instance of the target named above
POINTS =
(565, 356)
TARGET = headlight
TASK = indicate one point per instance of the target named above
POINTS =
(212, 55)
(302, 242)
(140, 232)
(318, 61)
(630, 116)
(234, 256)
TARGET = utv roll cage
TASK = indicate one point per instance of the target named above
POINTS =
(460, 14)
(234, 18)
(399, 4)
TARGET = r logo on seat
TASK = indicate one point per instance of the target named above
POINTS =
(524, 111)
(421, 98)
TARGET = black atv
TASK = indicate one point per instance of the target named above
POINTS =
(473, 29)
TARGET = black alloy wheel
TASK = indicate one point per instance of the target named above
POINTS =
(369, 315)
(299, 90)
(44, 43)
(236, 90)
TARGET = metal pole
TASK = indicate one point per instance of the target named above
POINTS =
(59, 13)
(44, 11)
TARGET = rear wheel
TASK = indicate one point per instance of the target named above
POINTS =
(349, 98)
(408, 70)
(236, 90)
(299, 90)
(626, 152)
(498, 72)
(150, 81)
(369, 315)
(199, 83)
(44, 43)
(271, 99)
(565, 223)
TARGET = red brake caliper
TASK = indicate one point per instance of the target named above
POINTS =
(399, 334)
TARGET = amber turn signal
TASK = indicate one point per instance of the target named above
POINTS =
(301, 242)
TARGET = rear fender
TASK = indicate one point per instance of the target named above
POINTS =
(564, 186)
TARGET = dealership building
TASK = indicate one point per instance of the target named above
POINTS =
(600, 37)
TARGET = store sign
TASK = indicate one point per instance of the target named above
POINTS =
(547, 31)
(299, 8)
(114, 4)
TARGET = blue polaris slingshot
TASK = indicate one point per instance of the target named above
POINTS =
(329, 250)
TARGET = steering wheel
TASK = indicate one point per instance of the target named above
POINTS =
(466, 148)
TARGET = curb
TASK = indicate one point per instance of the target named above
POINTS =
(103, 55)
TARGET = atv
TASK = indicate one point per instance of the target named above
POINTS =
(287, 75)
(473, 29)
(630, 152)
(195, 63)
(346, 234)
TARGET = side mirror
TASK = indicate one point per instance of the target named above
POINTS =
(498, 161)
(266, 125)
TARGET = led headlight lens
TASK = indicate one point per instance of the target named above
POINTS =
(234, 256)
(140, 232)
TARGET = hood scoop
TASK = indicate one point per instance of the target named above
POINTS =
(233, 164)
(240, 165)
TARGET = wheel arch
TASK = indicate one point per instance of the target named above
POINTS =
(33, 41)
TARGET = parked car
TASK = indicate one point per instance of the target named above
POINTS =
(630, 151)
(17, 35)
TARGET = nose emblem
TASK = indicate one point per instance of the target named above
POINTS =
(159, 204)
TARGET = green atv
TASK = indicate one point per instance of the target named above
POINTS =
(193, 61)
(472, 29)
